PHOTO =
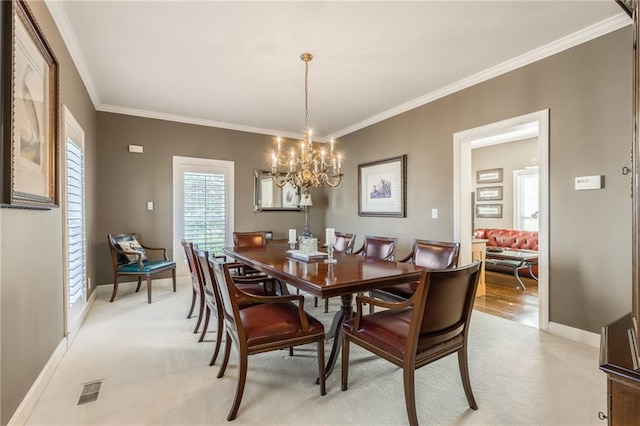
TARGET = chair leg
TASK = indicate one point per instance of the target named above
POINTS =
(345, 363)
(193, 302)
(200, 312)
(218, 340)
(321, 373)
(242, 378)
(326, 305)
(173, 275)
(139, 284)
(410, 394)
(291, 351)
(464, 373)
(115, 288)
(315, 302)
(148, 288)
(370, 308)
(227, 351)
(206, 324)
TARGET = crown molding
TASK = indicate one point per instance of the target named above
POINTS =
(596, 30)
(197, 121)
(59, 15)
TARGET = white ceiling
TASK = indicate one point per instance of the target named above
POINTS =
(236, 64)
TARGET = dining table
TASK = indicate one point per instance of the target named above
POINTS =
(349, 275)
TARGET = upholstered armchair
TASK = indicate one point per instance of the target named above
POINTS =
(272, 323)
(129, 259)
(432, 324)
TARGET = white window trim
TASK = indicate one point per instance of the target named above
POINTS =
(181, 164)
(73, 131)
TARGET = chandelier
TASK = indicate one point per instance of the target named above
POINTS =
(310, 165)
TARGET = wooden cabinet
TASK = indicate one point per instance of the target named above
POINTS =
(479, 252)
(623, 382)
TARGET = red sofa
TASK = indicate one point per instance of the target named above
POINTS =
(510, 238)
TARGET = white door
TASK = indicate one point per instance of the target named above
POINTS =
(75, 243)
(202, 205)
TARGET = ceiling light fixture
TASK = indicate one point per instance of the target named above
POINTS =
(310, 165)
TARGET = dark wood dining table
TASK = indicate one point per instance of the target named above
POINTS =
(350, 274)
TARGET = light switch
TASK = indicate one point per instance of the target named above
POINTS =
(149, 205)
(434, 213)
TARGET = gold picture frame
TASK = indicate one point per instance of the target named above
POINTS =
(29, 112)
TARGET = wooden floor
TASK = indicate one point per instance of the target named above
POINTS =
(506, 299)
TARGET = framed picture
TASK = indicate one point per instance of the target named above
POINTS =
(382, 187)
(30, 111)
(489, 193)
(489, 176)
(489, 211)
(290, 195)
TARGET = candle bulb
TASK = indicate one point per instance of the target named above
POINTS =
(279, 144)
(292, 235)
(330, 236)
(273, 160)
(322, 158)
(339, 162)
(331, 145)
(310, 137)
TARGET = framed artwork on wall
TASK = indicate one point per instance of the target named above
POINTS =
(382, 187)
(489, 193)
(489, 211)
(30, 111)
(489, 176)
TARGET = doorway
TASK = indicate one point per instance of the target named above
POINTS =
(463, 230)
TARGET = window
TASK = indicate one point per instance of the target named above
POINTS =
(203, 205)
(525, 209)
(76, 238)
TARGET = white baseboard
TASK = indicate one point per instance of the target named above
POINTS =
(575, 334)
(24, 410)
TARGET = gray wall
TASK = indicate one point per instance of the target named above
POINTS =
(588, 92)
(31, 267)
(127, 181)
(509, 157)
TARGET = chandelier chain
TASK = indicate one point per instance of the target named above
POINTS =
(306, 95)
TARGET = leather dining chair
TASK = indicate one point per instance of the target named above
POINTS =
(432, 324)
(343, 243)
(196, 283)
(378, 247)
(272, 323)
(434, 255)
(212, 296)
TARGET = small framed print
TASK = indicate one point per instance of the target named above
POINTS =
(489, 176)
(489, 211)
(382, 188)
(489, 193)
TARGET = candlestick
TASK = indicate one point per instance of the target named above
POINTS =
(330, 259)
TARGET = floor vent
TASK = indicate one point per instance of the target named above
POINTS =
(89, 392)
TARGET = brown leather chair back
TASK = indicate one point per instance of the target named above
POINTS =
(379, 247)
(211, 292)
(229, 307)
(193, 269)
(449, 302)
(435, 254)
(343, 243)
(249, 239)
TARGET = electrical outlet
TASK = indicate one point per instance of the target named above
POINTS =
(434, 213)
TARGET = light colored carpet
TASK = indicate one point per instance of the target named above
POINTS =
(156, 373)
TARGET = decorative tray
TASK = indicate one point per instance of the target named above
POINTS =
(297, 254)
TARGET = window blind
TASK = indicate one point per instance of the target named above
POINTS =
(76, 238)
(205, 210)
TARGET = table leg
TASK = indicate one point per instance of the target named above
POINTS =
(515, 272)
(345, 313)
